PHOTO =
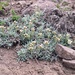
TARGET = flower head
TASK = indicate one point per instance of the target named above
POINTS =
(33, 29)
(25, 27)
(59, 35)
(15, 22)
(34, 42)
(68, 35)
(37, 13)
(48, 29)
(41, 46)
(31, 44)
(21, 30)
(2, 27)
(54, 32)
(56, 38)
(17, 26)
(30, 23)
(69, 41)
(39, 34)
(46, 42)
(26, 35)
(30, 48)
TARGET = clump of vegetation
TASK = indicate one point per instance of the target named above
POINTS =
(8, 35)
(37, 37)
(15, 17)
(2, 22)
(40, 39)
(2, 5)
(5, 3)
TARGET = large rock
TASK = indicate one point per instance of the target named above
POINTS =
(69, 63)
(67, 22)
(65, 52)
(61, 20)
(43, 4)
(40, 4)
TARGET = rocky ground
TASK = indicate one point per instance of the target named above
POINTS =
(61, 15)
(9, 65)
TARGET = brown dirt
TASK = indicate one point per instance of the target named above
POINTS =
(10, 66)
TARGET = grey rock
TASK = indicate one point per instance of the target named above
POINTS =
(69, 63)
(65, 52)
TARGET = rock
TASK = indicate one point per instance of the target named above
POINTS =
(72, 2)
(53, 16)
(62, 21)
(29, 10)
(67, 22)
(41, 5)
(65, 52)
(24, 3)
(59, 19)
(69, 63)
(21, 2)
(44, 4)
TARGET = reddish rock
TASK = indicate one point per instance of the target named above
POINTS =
(69, 63)
(65, 52)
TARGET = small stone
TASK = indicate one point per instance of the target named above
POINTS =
(69, 63)
(65, 52)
